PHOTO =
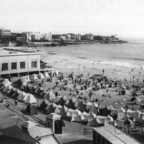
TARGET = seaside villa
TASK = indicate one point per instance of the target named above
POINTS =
(18, 62)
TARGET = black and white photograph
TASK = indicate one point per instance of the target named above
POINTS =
(71, 72)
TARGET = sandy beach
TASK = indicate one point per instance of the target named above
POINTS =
(116, 60)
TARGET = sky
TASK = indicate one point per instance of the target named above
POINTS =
(100, 17)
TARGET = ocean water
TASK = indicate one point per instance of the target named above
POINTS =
(123, 55)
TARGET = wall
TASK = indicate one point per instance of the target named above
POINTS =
(19, 58)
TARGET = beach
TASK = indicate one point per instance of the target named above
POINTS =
(116, 59)
(116, 62)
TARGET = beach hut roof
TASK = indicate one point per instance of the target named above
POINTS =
(76, 116)
(34, 76)
(30, 99)
(41, 76)
(50, 108)
(46, 75)
(50, 96)
(31, 110)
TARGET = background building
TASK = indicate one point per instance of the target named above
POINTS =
(87, 37)
(13, 62)
(24, 37)
(5, 34)
(41, 37)
(78, 37)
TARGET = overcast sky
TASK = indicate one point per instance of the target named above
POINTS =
(100, 17)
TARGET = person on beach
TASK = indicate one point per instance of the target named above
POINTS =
(15, 102)
(103, 72)
(107, 90)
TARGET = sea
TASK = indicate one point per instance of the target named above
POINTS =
(122, 55)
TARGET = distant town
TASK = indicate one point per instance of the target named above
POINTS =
(34, 39)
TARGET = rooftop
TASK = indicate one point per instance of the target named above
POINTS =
(109, 133)
(17, 51)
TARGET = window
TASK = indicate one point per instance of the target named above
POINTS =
(4, 66)
(22, 65)
(13, 65)
(34, 64)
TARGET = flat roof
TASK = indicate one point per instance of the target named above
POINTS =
(17, 133)
(109, 133)
(15, 53)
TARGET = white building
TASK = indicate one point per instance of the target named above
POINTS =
(39, 36)
(16, 62)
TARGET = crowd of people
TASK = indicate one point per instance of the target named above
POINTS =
(73, 96)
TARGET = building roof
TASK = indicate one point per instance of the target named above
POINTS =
(9, 140)
(109, 133)
(48, 139)
(16, 52)
(16, 133)
(38, 131)
(54, 116)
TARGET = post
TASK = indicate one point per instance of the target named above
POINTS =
(53, 121)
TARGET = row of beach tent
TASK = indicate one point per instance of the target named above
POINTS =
(76, 110)
(39, 76)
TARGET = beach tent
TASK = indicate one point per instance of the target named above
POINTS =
(70, 112)
(54, 105)
(33, 89)
(60, 101)
(57, 72)
(92, 119)
(2, 87)
(121, 114)
(74, 100)
(5, 85)
(30, 99)
(17, 93)
(76, 116)
(29, 86)
(39, 90)
(64, 98)
(21, 96)
(46, 75)
(27, 79)
(31, 110)
(104, 111)
(80, 106)
(130, 113)
(136, 115)
(69, 103)
(7, 82)
(114, 111)
(101, 119)
(24, 85)
(8, 88)
(50, 108)
(85, 116)
(61, 110)
(93, 109)
(43, 104)
(50, 96)
(43, 92)
(13, 90)
(22, 79)
(41, 76)
(34, 77)
(108, 121)
(128, 122)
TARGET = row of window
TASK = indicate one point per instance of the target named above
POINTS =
(14, 65)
